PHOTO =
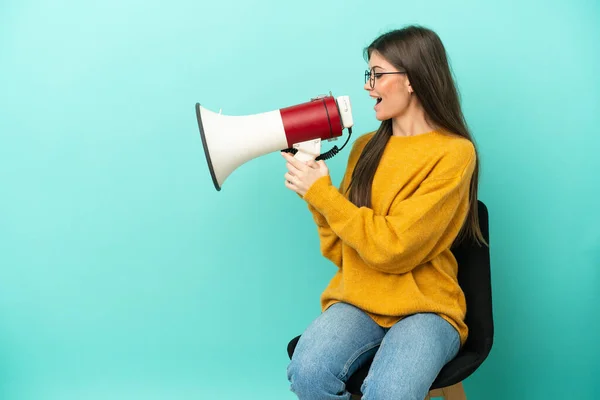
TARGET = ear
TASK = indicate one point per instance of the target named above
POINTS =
(409, 87)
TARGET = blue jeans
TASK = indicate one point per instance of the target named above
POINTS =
(406, 357)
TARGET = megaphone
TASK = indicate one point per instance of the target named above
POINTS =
(230, 141)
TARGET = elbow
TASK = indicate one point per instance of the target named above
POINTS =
(332, 251)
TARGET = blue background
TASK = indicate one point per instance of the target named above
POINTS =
(125, 274)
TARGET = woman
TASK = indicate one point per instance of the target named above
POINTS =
(409, 192)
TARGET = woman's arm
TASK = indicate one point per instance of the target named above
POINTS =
(416, 229)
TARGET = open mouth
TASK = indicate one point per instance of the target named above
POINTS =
(378, 100)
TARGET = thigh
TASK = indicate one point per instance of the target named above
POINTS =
(410, 356)
(341, 339)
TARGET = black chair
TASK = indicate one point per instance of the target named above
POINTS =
(475, 281)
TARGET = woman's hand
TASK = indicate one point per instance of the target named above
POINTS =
(301, 175)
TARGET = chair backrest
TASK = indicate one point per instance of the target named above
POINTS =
(474, 277)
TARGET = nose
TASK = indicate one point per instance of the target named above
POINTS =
(367, 86)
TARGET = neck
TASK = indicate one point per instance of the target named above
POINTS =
(412, 122)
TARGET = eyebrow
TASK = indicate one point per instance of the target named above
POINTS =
(377, 66)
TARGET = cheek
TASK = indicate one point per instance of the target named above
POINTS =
(396, 98)
(399, 99)
(395, 90)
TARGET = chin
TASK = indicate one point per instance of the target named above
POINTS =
(381, 116)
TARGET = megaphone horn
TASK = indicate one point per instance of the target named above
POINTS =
(230, 141)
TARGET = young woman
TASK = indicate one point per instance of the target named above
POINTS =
(409, 192)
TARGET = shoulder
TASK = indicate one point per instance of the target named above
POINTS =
(457, 146)
(362, 140)
(359, 144)
(456, 156)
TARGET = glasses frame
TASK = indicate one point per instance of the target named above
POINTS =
(370, 76)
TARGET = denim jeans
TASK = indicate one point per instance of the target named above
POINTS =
(406, 357)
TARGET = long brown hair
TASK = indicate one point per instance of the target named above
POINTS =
(420, 52)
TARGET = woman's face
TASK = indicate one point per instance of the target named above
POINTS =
(392, 92)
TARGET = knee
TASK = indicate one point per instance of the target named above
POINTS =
(311, 378)
(303, 375)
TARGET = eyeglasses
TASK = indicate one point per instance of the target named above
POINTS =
(371, 75)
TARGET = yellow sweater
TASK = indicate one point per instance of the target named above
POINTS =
(394, 259)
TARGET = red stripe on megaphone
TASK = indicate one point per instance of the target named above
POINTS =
(317, 118)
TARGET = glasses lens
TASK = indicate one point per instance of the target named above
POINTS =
(370, 77)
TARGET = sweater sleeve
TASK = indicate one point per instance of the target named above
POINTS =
(416, 228)
(330, 243)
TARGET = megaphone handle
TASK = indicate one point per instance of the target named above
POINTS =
(310, 155)
(308, 150)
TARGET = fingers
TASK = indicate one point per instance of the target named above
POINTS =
(289, 177)
(290, 185)
(291, 163)
(312, 164)
(301, 174)
(299, 165)
(293, 170)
